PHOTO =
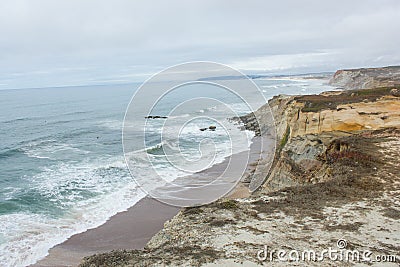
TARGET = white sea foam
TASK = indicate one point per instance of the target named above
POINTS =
(111, 124)
(49, 149)
(116, 192)
(26, 237)
(24, 231)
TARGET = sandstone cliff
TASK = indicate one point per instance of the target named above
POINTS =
(366, 78)
(306, 125)
(309, 125)
(335, 176)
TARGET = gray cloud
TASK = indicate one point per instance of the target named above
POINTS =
(47, 42)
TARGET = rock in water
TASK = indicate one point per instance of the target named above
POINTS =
(156, 117)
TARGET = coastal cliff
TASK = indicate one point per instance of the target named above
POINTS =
(335, 176)
(311, 127)
(366, 78)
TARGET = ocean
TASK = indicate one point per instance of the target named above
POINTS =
(62, 168)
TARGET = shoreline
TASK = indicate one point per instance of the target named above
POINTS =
(130, 229)
(329, 185)
(133, 228)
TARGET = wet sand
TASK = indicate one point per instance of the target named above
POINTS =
(133, 228)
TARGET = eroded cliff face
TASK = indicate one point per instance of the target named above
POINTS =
(347, 111)
(366, 78)
(359, 203)
(336, 175)
(308, 126)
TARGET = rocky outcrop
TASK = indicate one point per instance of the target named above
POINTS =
(335, 176)
(156, 117)
(358, 204)
(307, 126)
(366, 78)
(211, 128)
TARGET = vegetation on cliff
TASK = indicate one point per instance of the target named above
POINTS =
(316, 103)
(336, 175)
(357, 203)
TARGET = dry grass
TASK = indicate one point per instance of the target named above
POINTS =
(192, 211)
(315, 103)
(392, 213)
(199, 255)
(225, 204)
(350, 162)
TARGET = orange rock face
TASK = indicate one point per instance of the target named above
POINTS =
(350, 117)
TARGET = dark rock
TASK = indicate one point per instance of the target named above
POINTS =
(384, 117)
(156, 117)
(395, 92)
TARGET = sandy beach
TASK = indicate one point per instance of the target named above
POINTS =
(327, 189)
(133, 228)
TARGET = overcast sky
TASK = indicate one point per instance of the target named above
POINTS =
(77, 42)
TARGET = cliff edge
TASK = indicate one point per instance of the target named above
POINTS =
(335, 177)
(366, 78)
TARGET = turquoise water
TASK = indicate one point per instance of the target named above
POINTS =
(60, 153)
(62, 168)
